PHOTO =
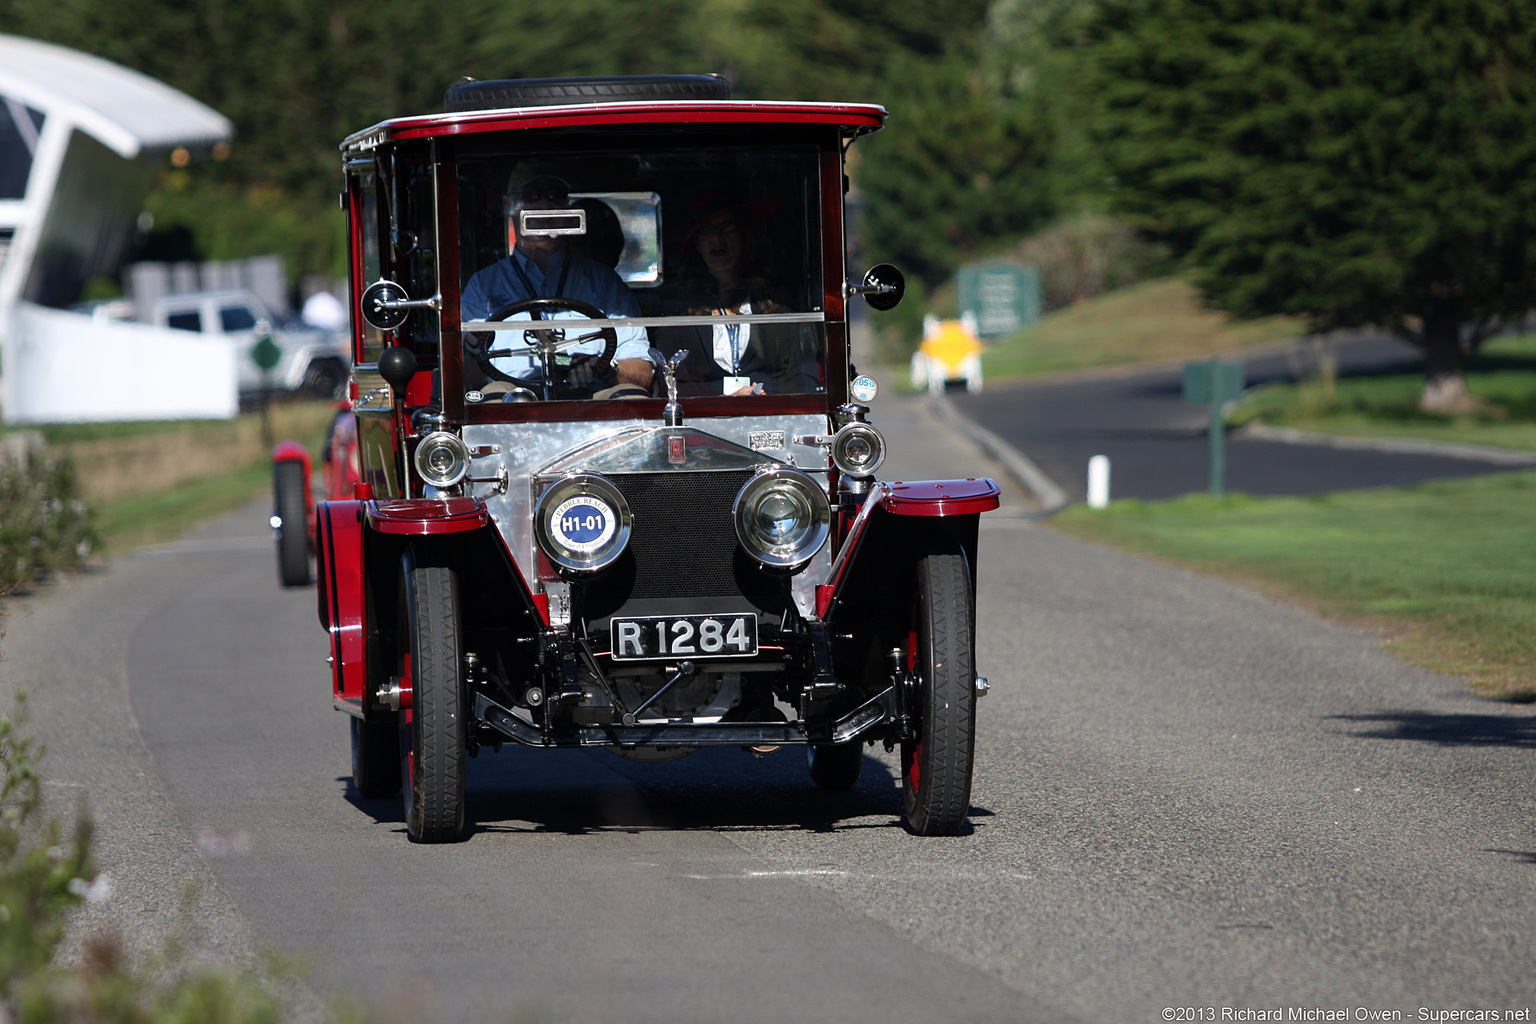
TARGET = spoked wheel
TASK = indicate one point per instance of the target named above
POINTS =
(293, 534)
(835, 766)
(936, 764)
(376, 758)
(432, 728)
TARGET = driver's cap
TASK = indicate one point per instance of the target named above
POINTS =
(543, 189)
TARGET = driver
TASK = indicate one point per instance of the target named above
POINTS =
(540, 266)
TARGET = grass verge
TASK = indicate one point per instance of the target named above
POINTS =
(150, 482)
(1446, 569)
(1159, 319)
(1502, 377)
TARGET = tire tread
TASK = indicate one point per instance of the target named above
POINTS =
(940, 804)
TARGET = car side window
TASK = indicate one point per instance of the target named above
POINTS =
(236, 318)
(190, 320)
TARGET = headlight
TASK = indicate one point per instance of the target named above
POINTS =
(442, 460)
(858, 449)
(782, 518)
(582, 524)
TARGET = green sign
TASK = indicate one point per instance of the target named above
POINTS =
(1001, 295)
(1213, 381)
(265, 353)
(1214, 384)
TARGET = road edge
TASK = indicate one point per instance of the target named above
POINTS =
(1019, 466)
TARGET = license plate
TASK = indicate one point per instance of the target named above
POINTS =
(683, 636)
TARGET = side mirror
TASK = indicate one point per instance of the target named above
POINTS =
(883, 287)
(385, 305)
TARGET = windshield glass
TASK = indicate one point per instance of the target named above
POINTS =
(714, 254)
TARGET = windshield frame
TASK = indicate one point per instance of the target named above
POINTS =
(821, 141)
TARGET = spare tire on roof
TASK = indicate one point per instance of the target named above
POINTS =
(545, 92)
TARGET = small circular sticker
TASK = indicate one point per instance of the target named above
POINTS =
(582, 524)
(864, 388)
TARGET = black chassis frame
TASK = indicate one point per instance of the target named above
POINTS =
(841, 672)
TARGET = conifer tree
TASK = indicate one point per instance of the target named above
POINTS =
(1353, 162)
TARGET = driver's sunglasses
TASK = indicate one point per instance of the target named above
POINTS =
(723, 228)
(540, 195)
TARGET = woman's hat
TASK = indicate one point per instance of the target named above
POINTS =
(721, 201)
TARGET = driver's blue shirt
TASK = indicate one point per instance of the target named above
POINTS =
(575, 277)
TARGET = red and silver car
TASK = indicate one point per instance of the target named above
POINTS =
(628, 497)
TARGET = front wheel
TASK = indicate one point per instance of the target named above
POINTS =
(936, 764)
(432, 729)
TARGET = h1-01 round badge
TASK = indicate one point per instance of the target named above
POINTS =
(582, 524)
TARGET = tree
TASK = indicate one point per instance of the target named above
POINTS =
(963, 167)
(1352, 162)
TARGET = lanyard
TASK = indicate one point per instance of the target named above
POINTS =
(733, 335)
(565, 268)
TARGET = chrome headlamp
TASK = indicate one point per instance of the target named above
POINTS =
(442, 459)
(857, 450)
(782, 518)
(582, 524)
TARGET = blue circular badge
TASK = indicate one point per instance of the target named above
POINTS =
(864, 388)
(582, 524)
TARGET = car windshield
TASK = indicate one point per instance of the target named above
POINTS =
(709, 259)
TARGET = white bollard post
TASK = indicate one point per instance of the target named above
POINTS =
(1098, 481)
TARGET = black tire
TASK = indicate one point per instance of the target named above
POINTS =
(835, 766)
(936, 765)
(544, 92)
(376, 758)
(293, 534)
(432, 731)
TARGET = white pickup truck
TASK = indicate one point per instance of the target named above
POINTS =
(310, 358)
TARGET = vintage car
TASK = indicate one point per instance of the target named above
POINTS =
(627, 496)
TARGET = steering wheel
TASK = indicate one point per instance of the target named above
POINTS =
(553, 339)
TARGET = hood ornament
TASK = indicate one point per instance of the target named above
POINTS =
(672, 412)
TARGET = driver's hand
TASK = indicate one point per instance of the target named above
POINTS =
(591, 370)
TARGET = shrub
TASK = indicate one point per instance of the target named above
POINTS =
(1088, 256)
(44, 524)
(44, 871)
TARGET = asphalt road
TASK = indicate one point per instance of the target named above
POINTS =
(1187, 795)
(1158, 445)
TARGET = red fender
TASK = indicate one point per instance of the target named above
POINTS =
(423, 517)
(942, 497)
(923, 498)
(343, 605)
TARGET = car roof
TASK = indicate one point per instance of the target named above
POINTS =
(854, 118)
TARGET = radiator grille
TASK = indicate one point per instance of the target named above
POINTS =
(683, 541)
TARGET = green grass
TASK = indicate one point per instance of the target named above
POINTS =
(151, 482)
(160, 516)
(1448, 567)
(1502, 376)
(1159, 319)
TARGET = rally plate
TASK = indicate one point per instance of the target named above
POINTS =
(647, 638)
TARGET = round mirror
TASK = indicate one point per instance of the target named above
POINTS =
(885, 285)
(381, 305)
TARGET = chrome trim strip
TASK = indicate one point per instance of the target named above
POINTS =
(880, 492)
(644, 321)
